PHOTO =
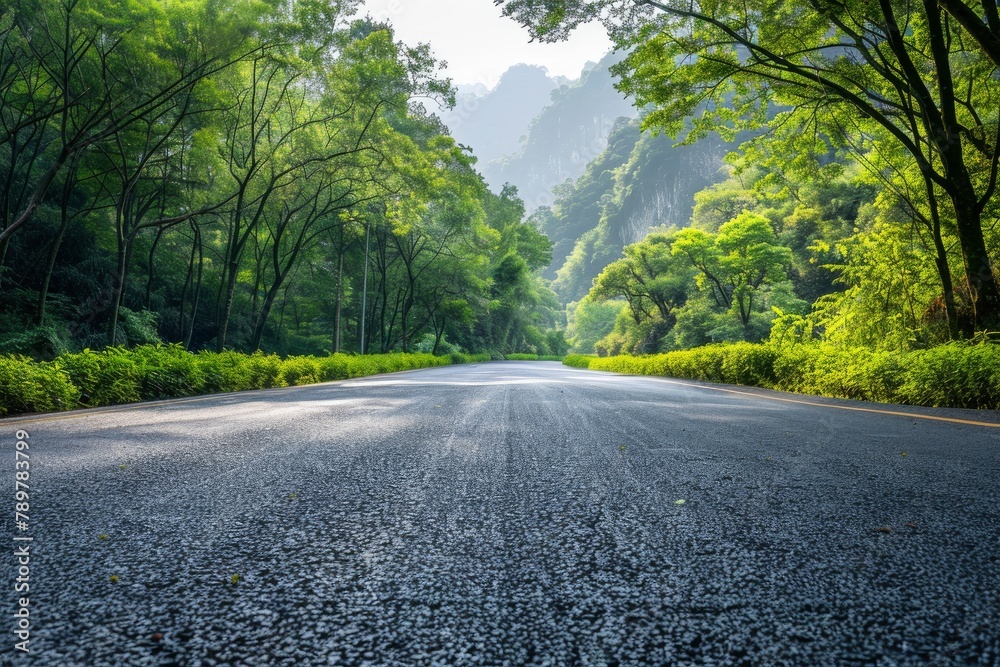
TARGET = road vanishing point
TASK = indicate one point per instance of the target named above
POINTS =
(509, 513)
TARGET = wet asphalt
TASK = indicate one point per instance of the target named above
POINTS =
(509, 513)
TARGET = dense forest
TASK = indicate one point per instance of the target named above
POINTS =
(230, 175)
(860, 208)
(277, 177)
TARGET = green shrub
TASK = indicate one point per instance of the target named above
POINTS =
(225, 371)
(27, 386)
(118, 375)
(748, 364)
(300, 370)
(335, 367)
(517, 356)
(578, 360)
(952, 375)
(264, 370)
(110, 377)
(166, 371)
(794, 366)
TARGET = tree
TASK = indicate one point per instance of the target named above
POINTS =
(737, 262)
(82, 50)
(902, 69)
(652, 279)
(589, 321)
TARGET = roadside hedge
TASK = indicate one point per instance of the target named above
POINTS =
(532, 357)
(958, 375)
(118, 375)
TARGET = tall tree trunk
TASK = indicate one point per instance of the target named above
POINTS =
(265, 312)
(978, 268)
(227, 307)
(64, 218)
(197, 291)
(946, 136)
(941, 262)
(123, 256)
(152, 272)
(340, 295)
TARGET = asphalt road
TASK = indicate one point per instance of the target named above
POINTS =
(507, 514)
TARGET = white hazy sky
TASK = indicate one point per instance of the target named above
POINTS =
(479, 44)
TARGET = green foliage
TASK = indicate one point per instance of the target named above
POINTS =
(264, 370)
(578, 360)
(533, 357)
(237, 177)
(166, 371)
(27, 386)
(589, 321)
(226, 371)
(557, 344)
(463, 358)
(117, 375)
(691, 287)
(109, 377)
(45, 342)
(300, 370)
(139, 327)
(959, 375)
(953, 375)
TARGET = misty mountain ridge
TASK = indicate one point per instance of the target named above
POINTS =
(493, 122)
(590, 178)
(534, 130)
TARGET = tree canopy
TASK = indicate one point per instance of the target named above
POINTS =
(249, 176)
(907, 90)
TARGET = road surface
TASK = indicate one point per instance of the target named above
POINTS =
(508, 514)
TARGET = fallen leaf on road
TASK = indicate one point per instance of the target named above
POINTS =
(680, 502)
(883, 529)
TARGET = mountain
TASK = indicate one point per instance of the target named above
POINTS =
(639, 181)
(568, 134)
(591, 179)
(492, 123)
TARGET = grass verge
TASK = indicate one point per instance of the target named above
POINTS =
(117, 376)
(956, 375)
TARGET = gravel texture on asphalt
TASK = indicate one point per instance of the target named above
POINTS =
(508, 514)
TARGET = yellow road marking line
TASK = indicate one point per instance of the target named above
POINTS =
(894, 413)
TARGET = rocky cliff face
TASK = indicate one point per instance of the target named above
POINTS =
(640, 181)
(564, 138)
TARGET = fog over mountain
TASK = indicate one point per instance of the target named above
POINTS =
(493, 122)
(535, 131)
(565, 137)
